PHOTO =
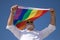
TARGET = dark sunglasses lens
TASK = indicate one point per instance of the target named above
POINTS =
(31, 22)
(27, 22)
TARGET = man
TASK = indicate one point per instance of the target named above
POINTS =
(28, 33)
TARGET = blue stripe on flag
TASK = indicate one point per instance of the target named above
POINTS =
(15, 22)
(22, 14)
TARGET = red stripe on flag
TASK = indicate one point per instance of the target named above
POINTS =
(21, 25)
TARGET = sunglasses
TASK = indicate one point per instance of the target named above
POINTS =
(29, 22)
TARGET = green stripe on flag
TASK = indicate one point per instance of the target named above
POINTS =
(27, 14)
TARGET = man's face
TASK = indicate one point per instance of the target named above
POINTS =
(30, 26)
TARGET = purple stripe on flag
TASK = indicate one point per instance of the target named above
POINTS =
(18, 12)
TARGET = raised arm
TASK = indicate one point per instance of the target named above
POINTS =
(48, 30)
(53, 20)
(13, 10)
(10, 25)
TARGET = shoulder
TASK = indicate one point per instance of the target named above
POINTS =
(51, 26)
(10, 26)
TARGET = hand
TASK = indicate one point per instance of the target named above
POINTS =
(52, 12)
(51, 9)
(14, 8)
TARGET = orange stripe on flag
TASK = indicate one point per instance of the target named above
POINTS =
(39, 12)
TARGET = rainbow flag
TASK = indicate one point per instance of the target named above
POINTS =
(27, 13)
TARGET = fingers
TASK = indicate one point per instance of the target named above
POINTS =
(52, 12)
(14, 8)
(51, 9)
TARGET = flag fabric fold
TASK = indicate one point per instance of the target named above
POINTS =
(27, 13)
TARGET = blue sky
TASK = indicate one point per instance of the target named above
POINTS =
(40, 23)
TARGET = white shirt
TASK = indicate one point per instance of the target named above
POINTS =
(31, 35)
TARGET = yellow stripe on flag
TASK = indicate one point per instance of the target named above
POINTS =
(32, 14)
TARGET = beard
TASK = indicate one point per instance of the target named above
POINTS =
(29, 27)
